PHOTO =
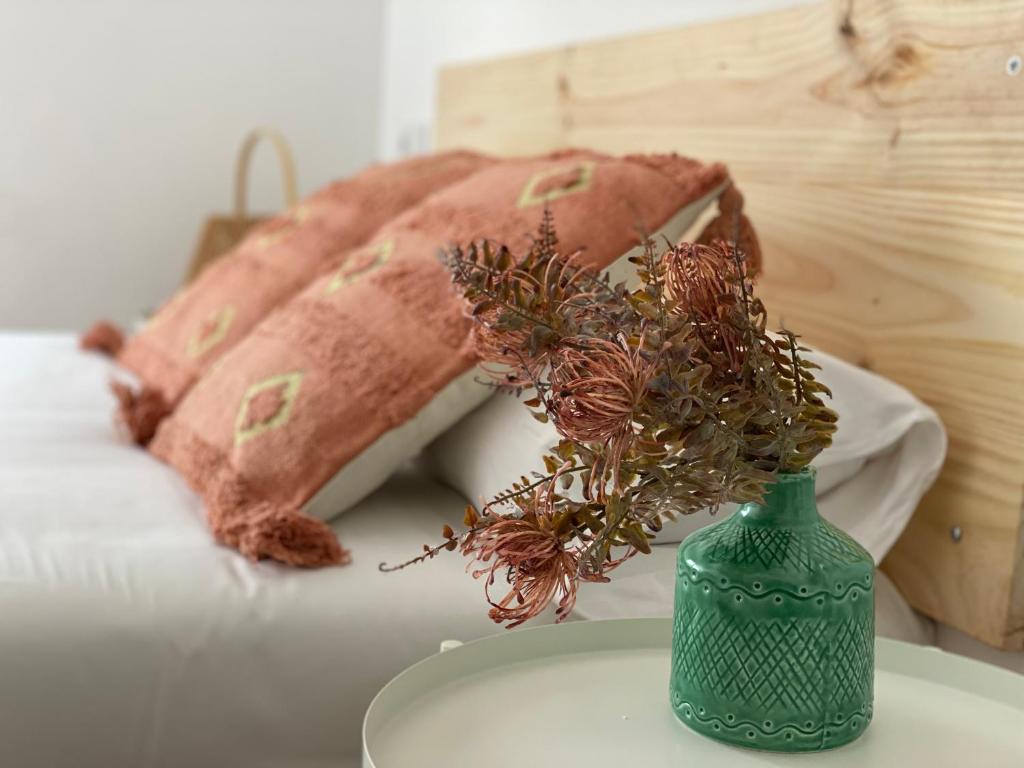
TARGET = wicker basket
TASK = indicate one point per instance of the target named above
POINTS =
(222, 232)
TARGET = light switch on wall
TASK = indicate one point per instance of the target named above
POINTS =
(414, 139)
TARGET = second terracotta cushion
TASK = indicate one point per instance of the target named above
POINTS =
(210, 315)
(369, 363)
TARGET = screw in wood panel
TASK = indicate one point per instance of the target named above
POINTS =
(956, 533)
(1013, 65)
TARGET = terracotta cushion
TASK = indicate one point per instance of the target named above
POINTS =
(365, 366)
(209, 316)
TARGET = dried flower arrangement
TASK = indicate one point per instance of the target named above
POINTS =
(669, 399)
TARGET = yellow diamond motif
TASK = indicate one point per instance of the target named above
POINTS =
(584, 175)
(349, 274)
(294, 218)
(288, 385)
(211, 332)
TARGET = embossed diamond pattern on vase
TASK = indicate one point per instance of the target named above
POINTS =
(770, 547)
(853, 646)
(765, 664)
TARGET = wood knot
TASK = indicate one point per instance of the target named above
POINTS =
(903, 63)
(846, 28)
(564, 89)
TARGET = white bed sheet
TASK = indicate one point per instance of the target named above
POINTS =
(127, 638)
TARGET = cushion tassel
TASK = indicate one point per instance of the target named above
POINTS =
(263, 530)
(104, 337)
(733, 226)
(139, 412)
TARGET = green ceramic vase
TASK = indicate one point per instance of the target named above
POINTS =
(773, 635)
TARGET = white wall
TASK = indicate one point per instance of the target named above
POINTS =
(119, 121)
(420, 36)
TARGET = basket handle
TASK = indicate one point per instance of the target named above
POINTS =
(284, 157)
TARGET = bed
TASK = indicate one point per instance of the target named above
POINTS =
(130, 638)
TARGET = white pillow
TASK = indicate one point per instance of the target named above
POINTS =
(886, 453)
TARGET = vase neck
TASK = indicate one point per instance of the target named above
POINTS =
(788, 501)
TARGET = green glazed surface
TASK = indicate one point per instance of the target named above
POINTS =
(773, 634)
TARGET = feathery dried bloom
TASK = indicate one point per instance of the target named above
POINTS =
(515, 346)
(500, 351)
(537, 564)
(701, 280)
(696, 277)
(596, 385)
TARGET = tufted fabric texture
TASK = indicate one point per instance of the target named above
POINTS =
(275, 261)
(374, 359)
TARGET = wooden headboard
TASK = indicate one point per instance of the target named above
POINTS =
(880, 147)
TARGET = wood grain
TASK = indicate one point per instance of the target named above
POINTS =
(880, 146)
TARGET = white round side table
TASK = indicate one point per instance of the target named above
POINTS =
(595, 694)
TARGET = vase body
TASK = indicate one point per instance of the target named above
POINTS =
(773, 633)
